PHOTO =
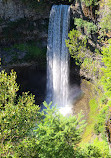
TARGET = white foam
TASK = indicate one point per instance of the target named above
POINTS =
(65, 111)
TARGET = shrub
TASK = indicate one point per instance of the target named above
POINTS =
(106, 79)
(96, 149)
(90, 27)
(17, 114)
(58, 135)
(76, 44)
(55, 136)
(90, 2)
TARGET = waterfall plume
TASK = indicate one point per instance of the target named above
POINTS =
(58, 57)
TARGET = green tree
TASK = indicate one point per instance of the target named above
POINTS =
(55, 136)
(105, 12)
(58, 135)
(89, 27)
(96, 149)
(18, 115)
(77, 45)
(90, 2)
(106, 79)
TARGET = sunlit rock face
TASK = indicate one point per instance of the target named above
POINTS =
(58, 57)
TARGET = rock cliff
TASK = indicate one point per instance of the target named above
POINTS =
(19, 22)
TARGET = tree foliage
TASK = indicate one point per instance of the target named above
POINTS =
(92, 63)
(90, 2)
(105, 13)
(90, 27)
(95, 149)
(76, 44)
(106, 79)
(17, 114)
(54, 136)
(58, 135)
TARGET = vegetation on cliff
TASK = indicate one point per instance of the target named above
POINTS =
(97, 63)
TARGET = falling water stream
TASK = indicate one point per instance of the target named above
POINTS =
(58, 57)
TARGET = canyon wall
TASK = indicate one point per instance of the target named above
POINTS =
(19, 22)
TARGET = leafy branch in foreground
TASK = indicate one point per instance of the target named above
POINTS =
(58, 135)
(55, 135)
(17, 115)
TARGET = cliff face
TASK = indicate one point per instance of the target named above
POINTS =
(14, 10)
(19, 22)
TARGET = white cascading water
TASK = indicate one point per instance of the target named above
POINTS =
(57, 56)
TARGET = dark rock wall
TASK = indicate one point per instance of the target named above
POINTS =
(20, 23)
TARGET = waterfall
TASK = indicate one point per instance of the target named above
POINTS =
(57, 56)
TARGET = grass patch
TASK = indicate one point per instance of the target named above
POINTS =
(26, 52)
(92, 119)
(33, 52)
